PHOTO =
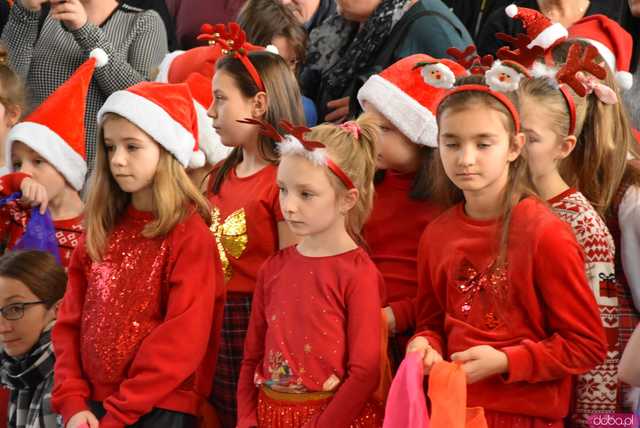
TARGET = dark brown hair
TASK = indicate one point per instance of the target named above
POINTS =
(519, 185)
(284, 101)
(39, 271)
(264, 20)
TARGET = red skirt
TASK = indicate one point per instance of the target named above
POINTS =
(283, 410)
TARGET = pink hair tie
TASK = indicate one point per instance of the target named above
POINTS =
(353, 128)
(594, 86)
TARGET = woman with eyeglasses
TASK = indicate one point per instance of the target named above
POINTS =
(31, 285)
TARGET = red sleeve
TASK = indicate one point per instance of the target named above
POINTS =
(364, 321)
(430, 307)
(70, 390)
(11, 183)
(173, 351)
(578, 342)
(253, 356)
(404, 312)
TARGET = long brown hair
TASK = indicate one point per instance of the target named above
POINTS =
(174, 197)
(356, 157)
(519, 184)
(599, 161)
(39, 271)
(284, 101)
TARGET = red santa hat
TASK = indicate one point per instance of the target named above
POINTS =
(542, 31)
(56, 129)
(614, 44)
(209, 141)
(407, 94)
(166, 112)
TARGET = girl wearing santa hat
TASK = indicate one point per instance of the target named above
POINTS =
(47, 157)
(313, 349)
(552, 133)
(144, 273)
(247, 220)
(402, 99)
(489, 281)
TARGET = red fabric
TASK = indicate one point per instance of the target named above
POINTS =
(255, 200)
(540, 311)
(4, 407)
(390, 233)
(406, 404)
(608, 32)
(313, 318)
(14, 218)
(120, 334)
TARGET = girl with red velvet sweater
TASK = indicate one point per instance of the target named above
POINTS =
(313, 349)
(504, 292)
(145, 273)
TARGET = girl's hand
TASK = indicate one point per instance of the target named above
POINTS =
(82, 420)
(340, 110)
(481, 362)
(429, 355)
(69, 12)
(34, 194)
(33, 5)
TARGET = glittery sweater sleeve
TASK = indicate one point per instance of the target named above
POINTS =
(70, 390)
(253, 356)
(174, 350)
(578, 341)
(362, 304)
(9, 184)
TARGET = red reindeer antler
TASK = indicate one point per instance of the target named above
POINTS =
(265, 128)
(520, 51)
(578, 60)
(481, 65)
(298, 132)
(464, 58)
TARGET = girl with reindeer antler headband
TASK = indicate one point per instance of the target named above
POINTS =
(489, 280)
(313, 350)
(552, 133)
(247, 220)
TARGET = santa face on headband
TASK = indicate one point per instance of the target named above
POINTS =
(311, 205)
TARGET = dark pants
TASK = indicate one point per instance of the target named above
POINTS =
(154, 419)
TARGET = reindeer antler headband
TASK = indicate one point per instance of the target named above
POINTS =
(294, 142)
(232, 39)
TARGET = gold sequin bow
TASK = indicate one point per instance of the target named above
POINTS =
(231, 237)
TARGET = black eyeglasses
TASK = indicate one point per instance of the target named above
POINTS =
(15, 311)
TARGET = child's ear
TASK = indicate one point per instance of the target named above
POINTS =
(13, 114)
(348, 200)
(566, 146)
(260, 104)
(516, 146)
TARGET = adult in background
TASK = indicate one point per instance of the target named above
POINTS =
(311, 13)
(631, 23)
(566, 12)
(46, 45)
(367, 36)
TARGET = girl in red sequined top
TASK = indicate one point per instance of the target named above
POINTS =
(313, 350)
(504, 291)
(135, 342)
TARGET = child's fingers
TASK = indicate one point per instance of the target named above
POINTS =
(461, 356)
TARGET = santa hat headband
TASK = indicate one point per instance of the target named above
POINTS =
(56, 129)
(294, 143)
(407, 92)
(542, 32)
(233, 41)
(165, 111)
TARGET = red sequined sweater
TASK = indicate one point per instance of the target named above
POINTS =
(391, 233)
(14, 219)
(134, 330)
(539, 310)
(315, 326)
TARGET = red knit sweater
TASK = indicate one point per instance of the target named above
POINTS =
(314, 320)
(539, 310)
(14, 218)
(135, 329)
(390, 232)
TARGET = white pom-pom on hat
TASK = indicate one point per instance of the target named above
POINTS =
(101, 57)
(197, 160)
(624, 79)
(511, 10)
